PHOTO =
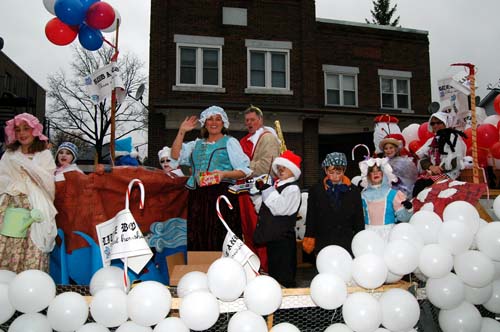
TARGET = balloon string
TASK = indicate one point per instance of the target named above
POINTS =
(108, 42)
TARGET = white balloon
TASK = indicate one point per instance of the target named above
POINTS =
(192, 281)
(335, 259)
(6, 276)
(93, 327)
(455, 236)
(407, 232)
(32, 322)
(49, 5)
(400, 309)
(497, 270)
(328, 291)
(488, 239)
(133, 327)
(445, 293)
(362, 312)
(338, 327)
(112, 27)
(199, 310)
(367, 241)
(148, 303)
(401, 257)
(474, 268)
(107, 277)
(263, 295)
(496, 206)
(489, 325)
(6, 309)
(246, 321)
(464, 212)
(465, 317)
(492, 119)
(435, 261)
(31, 291)
(223, 272)
(392, 277)
(410, 133)
(171, 324)
(427, 224)
(67, 312)
(369, 271)
(284, 327)
(478, 295)
(109, 307)
(493, 304)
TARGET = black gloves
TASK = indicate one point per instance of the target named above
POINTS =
(261, 185)
(407, 204)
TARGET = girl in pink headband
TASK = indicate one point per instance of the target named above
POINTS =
(27, 213)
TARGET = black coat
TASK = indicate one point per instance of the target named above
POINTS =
(330, 224)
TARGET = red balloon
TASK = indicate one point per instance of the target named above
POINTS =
(496, 104)
(487, 135)
(468, 139)
(495, 150)
(423, 132)
(60, 33)
(100, 15)
(415, 145)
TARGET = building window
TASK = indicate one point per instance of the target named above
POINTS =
(199, 63)
(395, 89)
(341, 85)
(268, 67)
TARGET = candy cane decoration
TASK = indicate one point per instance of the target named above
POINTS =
(129, 190)
(220, 214)
(357, 146)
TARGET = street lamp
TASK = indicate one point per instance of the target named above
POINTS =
(138, 95)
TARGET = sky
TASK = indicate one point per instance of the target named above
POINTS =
(459, 31)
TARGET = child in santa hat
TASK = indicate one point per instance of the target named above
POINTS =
(277, 217)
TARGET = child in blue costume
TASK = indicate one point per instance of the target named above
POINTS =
(383, 206)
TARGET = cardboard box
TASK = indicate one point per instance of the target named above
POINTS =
(196, 261)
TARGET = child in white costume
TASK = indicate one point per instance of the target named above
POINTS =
(382, 205)
(26, 186)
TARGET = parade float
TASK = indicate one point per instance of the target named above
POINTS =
(440, 271)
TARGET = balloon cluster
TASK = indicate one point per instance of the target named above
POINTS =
(458, 257)
(86, 19)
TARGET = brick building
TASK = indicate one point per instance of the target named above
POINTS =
(324, 80)
(19, 93)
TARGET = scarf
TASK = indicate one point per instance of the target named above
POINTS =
(335, 191)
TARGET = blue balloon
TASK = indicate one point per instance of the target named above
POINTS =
(87, 3)
(90, 39)
(70, 12)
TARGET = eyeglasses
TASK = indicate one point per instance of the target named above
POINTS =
(435, 123)
(162, 161)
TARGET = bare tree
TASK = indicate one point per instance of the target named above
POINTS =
(72, 112)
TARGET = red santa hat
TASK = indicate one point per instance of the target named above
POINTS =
(289, 160)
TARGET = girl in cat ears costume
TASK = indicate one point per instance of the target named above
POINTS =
(383, 206)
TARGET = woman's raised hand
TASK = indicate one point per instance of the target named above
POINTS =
(189, 123)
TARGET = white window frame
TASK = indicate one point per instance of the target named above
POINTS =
(268, 48)
(395, 75)
(341, 71)
(199, 43)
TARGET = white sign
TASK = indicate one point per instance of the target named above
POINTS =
(102, 82)
(234, 248)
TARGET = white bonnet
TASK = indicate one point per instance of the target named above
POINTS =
(382, 163)
(214, 110)
(165, 152)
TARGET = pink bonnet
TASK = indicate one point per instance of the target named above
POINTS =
(31, 120)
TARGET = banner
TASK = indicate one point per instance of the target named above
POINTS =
(101, 83)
